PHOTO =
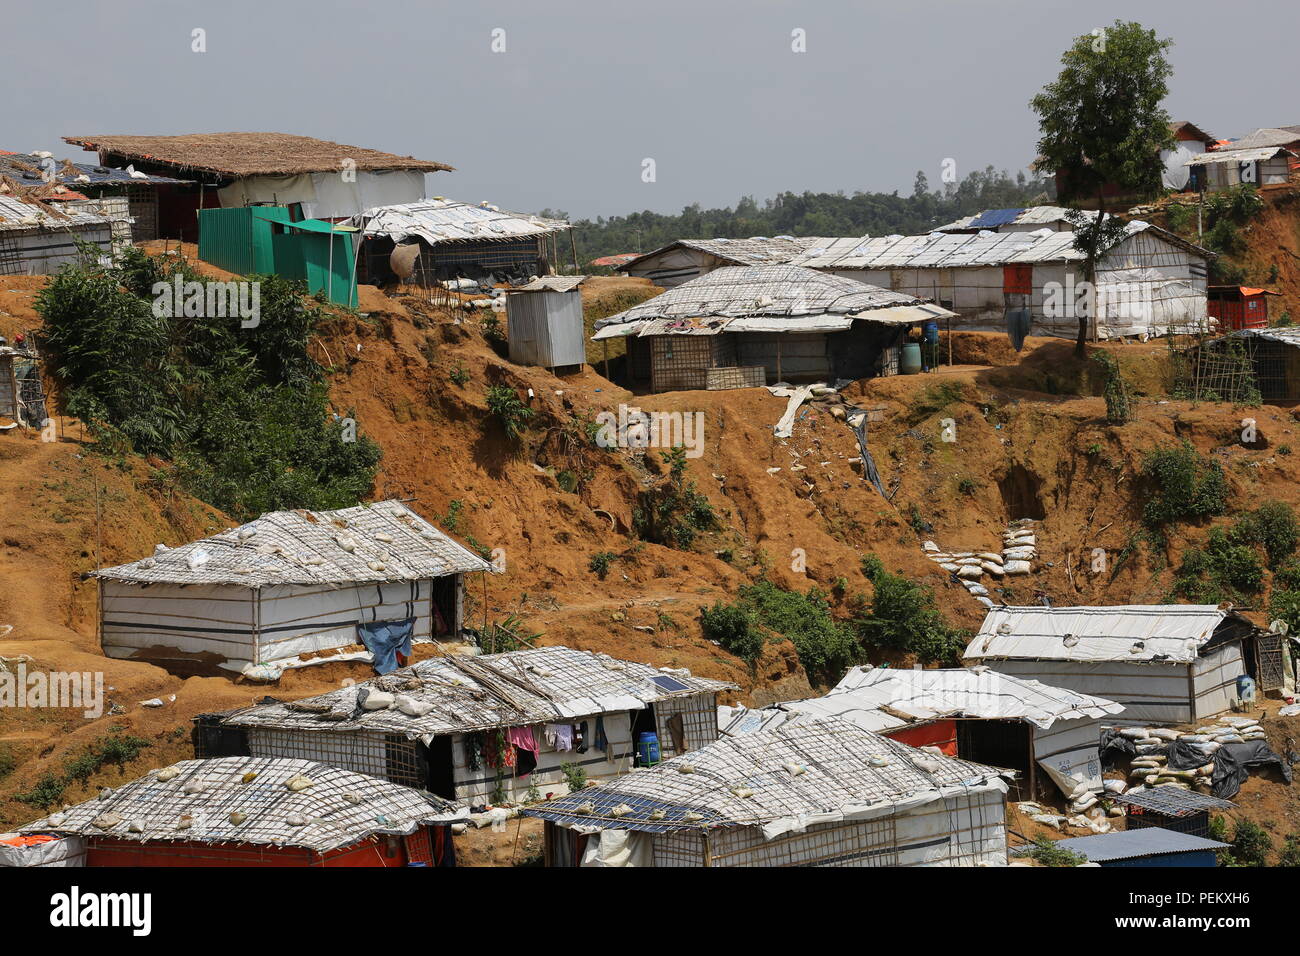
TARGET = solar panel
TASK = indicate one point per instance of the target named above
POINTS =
(670, 684)
(996, 217)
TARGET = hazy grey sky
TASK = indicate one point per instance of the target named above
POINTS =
(709, 89)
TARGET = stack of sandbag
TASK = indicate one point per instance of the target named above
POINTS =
(1019, 549)
(1149, 767)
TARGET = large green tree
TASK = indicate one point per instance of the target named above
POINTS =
(1101, 125)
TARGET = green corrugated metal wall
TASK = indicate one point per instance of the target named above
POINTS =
(239, 240)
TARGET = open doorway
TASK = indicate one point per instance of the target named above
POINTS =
(1000, 743)
(439, 771)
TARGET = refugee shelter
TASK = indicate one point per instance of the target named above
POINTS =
(458, 240)
(1147, 283)
(486, 729)
(1165, 663)
(1238, 306)
(1170, 808)
(742, 326)
(64, 180)
(818, 792)
(1190, 141)
(1266, 157)
(973, 713)
(258, 811)
(38, 237)
(22, 395)
(688, 259)
(544, 324)
(323, 180)
(286, 584)
(1151, 846)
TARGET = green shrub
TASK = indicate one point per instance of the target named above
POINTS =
(734, 628)
(458, 375)
(47, 792)
(673, 512)
(512, 414)
(600, 562)
(1220, 570)
(241, 411)
(1272, 525)
(902, 616)
(1050, 853)
(1251, 844)
(1184, 486)
(7, 762)
(826, 648)
(1290, 853)
(1284, 605)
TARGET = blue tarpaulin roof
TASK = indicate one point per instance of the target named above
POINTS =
(98, 175)
(992, 218)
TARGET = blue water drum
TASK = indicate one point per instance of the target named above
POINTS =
(647, 749)
(930, 331)
(910, 362)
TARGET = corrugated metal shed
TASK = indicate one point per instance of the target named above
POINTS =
(340, 807)
(843, 773)
(733, 297)
(1133, 844)
(448, 220)
(384, 541)
(1170, 633)
(545, 325)
(240, 240)
(496, 690)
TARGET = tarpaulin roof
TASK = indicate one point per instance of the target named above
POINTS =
(783, 779)
(1236, 155)
(464, 694)
(27, 168)
(1135, 632)
(1132, 844)
(879, 699)
(765, 298)
(384, 541)
(754, 251)
(449, 220)
(15, 214)
(995, 218)
(198, 801)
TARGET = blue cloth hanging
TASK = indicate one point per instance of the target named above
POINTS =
(385, 640)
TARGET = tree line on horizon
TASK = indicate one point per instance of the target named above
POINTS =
(809, 214)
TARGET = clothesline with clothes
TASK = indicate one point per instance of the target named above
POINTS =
(518, 748)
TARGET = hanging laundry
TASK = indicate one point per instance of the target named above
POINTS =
(474, 750)
(601, 741)
(559, 736)
(580, 738)
(524, 742)
(498, 752)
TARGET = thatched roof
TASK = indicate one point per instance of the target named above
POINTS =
(248, 154)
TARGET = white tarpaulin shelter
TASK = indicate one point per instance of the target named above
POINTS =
(778, 322)
(285, 584)
(434, 734)
(1065, 726)
(687, 259)
(817, 792)
(1148, 282)
(1165, 663)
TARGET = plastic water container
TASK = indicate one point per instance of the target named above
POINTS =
(1246, 688)
(647, 749)
(910, 363)
(930, 332)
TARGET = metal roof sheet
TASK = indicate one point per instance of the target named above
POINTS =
(783, 778)
(448, 220)
(1132, 844)
(80, 174)
(537, 685)
(338, 809)
(1135, 632)
(1236, 156)
(384, 541)
(16, 214)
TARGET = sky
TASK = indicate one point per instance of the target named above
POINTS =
(559, 104)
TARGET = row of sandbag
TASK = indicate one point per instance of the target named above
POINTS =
(1019, 549)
